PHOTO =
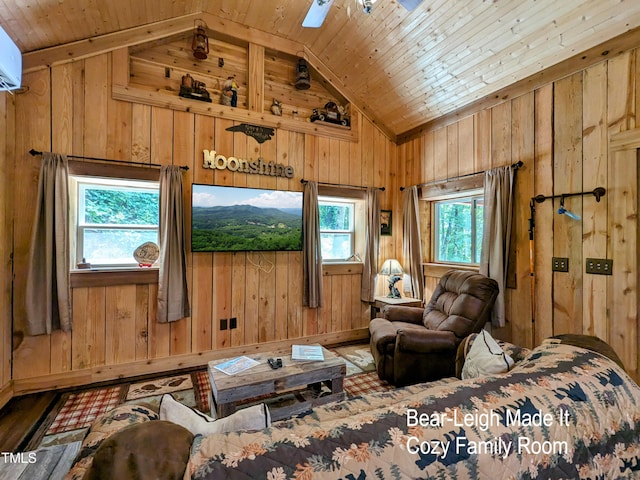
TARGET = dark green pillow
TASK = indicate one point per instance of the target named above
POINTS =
(155, 450)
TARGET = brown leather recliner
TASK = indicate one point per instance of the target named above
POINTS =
(412, 345)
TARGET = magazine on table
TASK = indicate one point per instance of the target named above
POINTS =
(236, 365)
(307, 352)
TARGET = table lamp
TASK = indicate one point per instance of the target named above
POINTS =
(392, 268)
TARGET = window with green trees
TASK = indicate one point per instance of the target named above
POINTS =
(458, 230)
(114, 217)
(337, 235)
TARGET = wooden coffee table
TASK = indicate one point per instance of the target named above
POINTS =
(261, 379)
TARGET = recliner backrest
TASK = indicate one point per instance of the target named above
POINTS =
(461, 303)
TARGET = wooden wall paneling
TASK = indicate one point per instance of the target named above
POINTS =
(453, 168)
(466, 157)
(344, 169)
(61, 141)
(282, 258)
(595, 236)
(482, 140)
(440, 154)
(623, 287)
(120, 345)
(7, 152)
(428, 159)
(622, 204)
(523, 149)
(367, 159)
(355, 155)
(255, 88)
(567, 235)
(118, 113)
(142, 322)
(183, 154)
(239, 295)
(544, 214)
(161, 150)
(201, 262)
(141, 133)
(295, 158)
(78, 94)
(33, 116)
(222, 279)
(323, 160)
(96, 95)
(267, 274)
(89, 335)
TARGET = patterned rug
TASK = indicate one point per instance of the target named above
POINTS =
(76, 411)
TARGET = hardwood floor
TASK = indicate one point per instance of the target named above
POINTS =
(20, 418)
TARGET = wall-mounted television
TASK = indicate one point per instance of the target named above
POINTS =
(235, 219)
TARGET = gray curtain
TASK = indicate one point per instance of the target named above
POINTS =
(311, 252)
(372, 243)
(411, 243)
(173, 294)
(48, 294)
(498, 213)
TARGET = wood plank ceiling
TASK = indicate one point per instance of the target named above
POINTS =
(403, 68)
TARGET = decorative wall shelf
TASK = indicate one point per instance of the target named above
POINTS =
(174, 102)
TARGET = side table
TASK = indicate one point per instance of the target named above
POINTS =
(380, 302)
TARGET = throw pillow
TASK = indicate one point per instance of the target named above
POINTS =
(155, 450)
(256, 417)
(485, 357)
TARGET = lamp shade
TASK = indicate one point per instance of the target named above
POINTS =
(391, 266)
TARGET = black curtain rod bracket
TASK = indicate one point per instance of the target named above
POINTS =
(342, 185)
(515, 166)
(34, 153)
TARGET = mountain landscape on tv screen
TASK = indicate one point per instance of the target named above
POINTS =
(245, 228)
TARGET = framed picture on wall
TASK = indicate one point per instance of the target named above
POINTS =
(385, 222)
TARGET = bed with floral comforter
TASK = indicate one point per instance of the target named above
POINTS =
(561, 412)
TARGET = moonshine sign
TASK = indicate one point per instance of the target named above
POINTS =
(214, 161)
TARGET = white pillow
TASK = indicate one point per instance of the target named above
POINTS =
(485, 357)
(256, 417)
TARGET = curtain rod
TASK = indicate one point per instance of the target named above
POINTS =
(129, 162)
(515, 166)
(357, 187)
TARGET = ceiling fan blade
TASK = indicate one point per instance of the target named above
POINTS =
(316, 14)
(410, 4)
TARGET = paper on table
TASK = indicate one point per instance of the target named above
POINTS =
(306, 352)
(236, 365)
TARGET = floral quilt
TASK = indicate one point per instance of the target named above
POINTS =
(562, 412)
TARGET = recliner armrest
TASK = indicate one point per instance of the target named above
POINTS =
(400, 313)
(429, 341)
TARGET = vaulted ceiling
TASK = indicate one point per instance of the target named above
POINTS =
(401, 68)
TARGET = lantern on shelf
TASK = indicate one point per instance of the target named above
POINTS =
(303, 79)
(200, 43)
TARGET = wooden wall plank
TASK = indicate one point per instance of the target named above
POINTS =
(202, 263)
(523, 149)
(32, 356)
(120, 312)
(622, 203)
(595, 233)
(567, 235)
(544, 214)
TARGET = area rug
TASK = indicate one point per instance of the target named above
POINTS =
(76, 411)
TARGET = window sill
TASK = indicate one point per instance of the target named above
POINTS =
(439, 269)
(342, 268)
(104, 278)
